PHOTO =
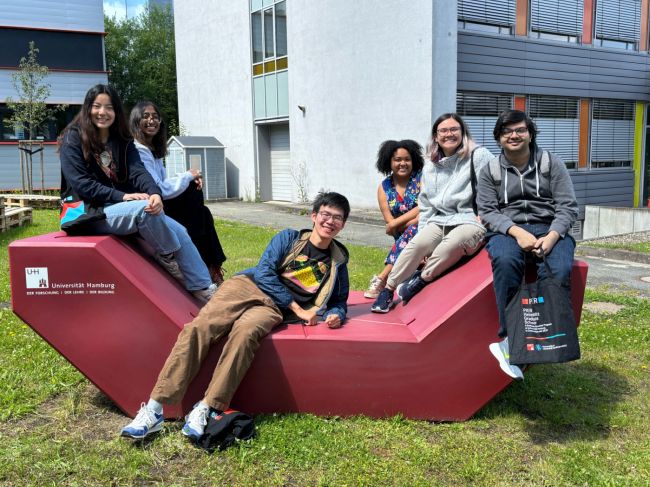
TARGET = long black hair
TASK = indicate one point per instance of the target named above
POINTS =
(158, 144)
(90, 141)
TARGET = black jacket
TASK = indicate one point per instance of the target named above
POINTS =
(89, 182)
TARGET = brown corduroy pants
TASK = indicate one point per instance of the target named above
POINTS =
(238, 309)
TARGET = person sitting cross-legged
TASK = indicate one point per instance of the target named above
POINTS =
(302, 275)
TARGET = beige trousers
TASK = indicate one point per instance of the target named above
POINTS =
(240, 310)
(444, 246)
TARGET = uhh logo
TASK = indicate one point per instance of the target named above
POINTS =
(36, 277)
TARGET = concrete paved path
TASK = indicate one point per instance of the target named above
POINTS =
(366, 227)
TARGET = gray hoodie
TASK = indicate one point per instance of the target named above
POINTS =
(527, 197)
(446, 192)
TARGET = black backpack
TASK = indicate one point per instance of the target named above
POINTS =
(224, 428)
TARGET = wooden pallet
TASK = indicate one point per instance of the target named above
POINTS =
(33, 200)
(15, 217)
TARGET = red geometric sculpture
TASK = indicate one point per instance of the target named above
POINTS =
(114, 314)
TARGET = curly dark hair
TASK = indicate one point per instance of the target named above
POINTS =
(158, 144)
(387, 150)
(89, 134)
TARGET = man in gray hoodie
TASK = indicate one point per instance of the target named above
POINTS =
(527, 203)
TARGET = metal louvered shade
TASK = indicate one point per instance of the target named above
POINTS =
(494, 12)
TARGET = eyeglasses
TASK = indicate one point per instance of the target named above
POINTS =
(445, 131)
(151, 116)
(326, 216)
(519, 131)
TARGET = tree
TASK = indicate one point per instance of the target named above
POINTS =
(29, 112)
(141, 59)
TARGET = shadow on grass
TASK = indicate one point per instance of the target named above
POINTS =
(563, 402)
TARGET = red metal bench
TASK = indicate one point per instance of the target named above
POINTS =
(114, 314)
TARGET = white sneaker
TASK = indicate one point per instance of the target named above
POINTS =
(374, 288)
(204, 295)
(501, 352)
(169, 263)
(147, 421)
(196, 421)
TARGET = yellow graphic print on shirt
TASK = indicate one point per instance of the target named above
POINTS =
(306, 274)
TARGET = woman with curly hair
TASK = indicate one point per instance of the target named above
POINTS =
(401, 162)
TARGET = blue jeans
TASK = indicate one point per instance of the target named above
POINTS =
(164, 234)
(509, 263)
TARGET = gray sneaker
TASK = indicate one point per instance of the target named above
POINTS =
(204, 295)
(501, 352)
(169, 263)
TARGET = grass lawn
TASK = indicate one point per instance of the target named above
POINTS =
(633, 247)
(583, 423)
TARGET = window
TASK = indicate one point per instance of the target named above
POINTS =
(558, 20)
(558, 126)
(480, 112)
(617, 24)
(270, 61)
(612, 133)
(494, 16)
(49, 131)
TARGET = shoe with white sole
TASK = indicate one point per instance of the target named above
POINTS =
(501, 352)
(196, 421)
(377, 284)
(147, 421)
(204, 295)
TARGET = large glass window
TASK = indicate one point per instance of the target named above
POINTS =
(617, 23)
(559, 20)
(480, 111)
(494, 16)
(558, 125)
(270, 61)
(612, 133)
(49, 131)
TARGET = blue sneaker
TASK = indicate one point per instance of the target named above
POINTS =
(384, 302)
(196, 421)
(147, 421)
(409, 288)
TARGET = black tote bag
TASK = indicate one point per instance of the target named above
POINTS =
(541, 325)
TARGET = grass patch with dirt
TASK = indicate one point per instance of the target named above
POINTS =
(583, 423)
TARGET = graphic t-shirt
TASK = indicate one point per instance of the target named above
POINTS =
(304, 275)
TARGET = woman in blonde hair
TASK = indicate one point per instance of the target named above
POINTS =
(448, 228)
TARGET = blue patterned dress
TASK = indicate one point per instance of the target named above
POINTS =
(398, 206)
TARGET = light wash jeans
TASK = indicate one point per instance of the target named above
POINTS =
(164, 234)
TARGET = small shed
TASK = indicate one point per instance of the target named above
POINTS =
(203, 153)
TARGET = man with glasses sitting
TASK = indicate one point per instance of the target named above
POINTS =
(526, 201)
(301, 276)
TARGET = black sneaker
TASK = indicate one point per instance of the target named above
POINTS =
(384, 302)
(411, 287)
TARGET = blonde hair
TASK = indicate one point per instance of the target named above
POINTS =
(467, 144)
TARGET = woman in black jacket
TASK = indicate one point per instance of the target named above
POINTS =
(101, 167)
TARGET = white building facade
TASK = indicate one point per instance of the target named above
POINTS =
(302, 93)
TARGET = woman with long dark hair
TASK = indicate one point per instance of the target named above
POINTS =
(182, 195)
(101, 168)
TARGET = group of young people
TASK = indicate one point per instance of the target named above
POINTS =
(439, 207)
(521, 203)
